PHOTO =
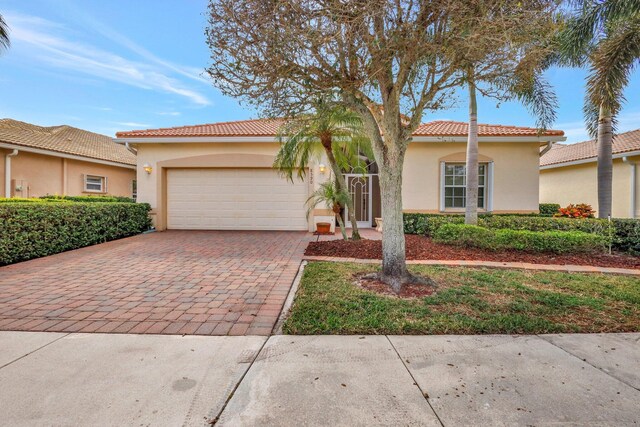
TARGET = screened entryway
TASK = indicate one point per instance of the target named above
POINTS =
(363, 186)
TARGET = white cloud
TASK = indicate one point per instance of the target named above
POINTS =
(44, 42)
(133, 124)
(168, 113)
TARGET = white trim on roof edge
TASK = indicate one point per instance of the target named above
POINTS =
(589, 160)
(217, 139)
(65, 155)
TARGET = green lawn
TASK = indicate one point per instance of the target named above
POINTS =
(468, 301)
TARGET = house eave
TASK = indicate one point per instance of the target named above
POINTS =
(272, 139)
(53, 153)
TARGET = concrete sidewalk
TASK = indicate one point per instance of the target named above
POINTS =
(100, 379)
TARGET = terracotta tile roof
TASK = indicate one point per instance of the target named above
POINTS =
(269, 127)
(622, 143)
(65, 139)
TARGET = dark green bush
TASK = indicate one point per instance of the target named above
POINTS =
(32, 230)
(90, 198)
(559, 242)
(549, 209)
(627, 235)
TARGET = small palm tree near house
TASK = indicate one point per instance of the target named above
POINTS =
(333, 130)
(334, 197)
(4, 34)
(605, 35)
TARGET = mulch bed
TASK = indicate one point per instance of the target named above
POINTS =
(423, 248)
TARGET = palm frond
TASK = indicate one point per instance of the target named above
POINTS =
(4, 34)
(612, 63)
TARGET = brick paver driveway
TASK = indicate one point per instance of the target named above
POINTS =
(174, 282)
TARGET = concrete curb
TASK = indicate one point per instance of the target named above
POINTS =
(492, 264)
(284, 313)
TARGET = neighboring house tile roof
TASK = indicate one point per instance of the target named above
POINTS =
(269, 127)
(65, 139)
(564, 153)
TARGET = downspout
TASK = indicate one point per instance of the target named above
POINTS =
(547, 148)
(632, 212)
(133, 150)
(7, 173)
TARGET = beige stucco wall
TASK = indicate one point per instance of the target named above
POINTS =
(579, 184)
(515, 174)
(515, 171)
(42, 174)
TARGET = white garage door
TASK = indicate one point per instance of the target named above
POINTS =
(234, 199)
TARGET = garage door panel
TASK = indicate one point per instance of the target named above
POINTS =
(234, 199)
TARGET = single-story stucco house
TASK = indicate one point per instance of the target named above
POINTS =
(62, 160)
(220, 175)
(568, 174)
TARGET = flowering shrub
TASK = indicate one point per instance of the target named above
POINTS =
(581, 210)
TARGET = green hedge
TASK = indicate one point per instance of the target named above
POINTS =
(549, 209)
(627, 235)
(558, 242)
(21, 200)
(32, 230)
(428, 224)
(100, 199)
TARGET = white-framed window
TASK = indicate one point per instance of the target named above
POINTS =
(134, 189)
(454, 182)
(95, 184)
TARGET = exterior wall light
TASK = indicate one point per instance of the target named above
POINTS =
(147, 168)
(322, 168)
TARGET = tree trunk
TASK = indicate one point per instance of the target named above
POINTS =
(342, 184)
(605, 162)
(342, 228)
(471, 202)
(471, 210)
(394, 267)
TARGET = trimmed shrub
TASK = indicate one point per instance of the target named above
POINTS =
(90, 198)
(627, 235)
(428, 224)
(549, 209)
(21, 200)
(558, 242)
(32, 230)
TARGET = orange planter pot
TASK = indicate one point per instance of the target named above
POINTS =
(323, 228)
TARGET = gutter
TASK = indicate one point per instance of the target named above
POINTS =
(274, 139)
(7, 172)
(588, 160)
(632, 203)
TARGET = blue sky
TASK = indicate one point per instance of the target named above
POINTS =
(117, 65)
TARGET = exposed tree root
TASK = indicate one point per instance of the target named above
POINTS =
(396, 283)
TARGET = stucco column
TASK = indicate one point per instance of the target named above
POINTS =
(7, 172)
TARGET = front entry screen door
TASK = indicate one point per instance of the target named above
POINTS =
(359, 187)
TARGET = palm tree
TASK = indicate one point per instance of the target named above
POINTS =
(502, 52)
(4, 34)
(331, 129)
(606, 36)
(334, 197)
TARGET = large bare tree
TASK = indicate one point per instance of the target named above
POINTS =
(388, 60)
